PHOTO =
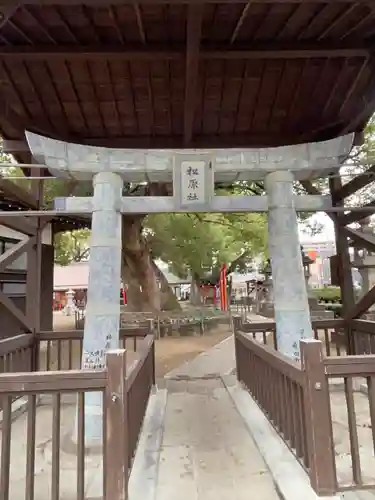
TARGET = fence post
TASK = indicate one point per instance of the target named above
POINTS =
(153, 362)
(237, 354)
(116, 467)
(318, 419)
(34, 353)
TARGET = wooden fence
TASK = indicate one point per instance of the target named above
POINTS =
(297, 399)
(125, 386)
(331, 332)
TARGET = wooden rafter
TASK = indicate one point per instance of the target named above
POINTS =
(352, 217)
(16, 120)
(361, 117)
(353, 87)
(96, 3)
(141, 28)
(240, 21)
(7, 11)
(337, 20)
(360, 181)
(360, 239)
(194, 29)
(361, 306)
(257, 50)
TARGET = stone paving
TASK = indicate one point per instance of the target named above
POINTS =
(207, 452)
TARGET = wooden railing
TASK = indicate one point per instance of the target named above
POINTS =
(363, 336)
(330, 332)
(358, 376)
(16, 353)
(273, 379)
(140, 378)
(47, 456)
(56, 350)
(62, 350)
(285, 392)
(310, 410)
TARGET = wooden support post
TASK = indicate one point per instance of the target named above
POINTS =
(34, 271)
(318, 420)
(344, 264)
(116, 465)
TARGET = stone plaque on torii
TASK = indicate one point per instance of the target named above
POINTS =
(193, 173)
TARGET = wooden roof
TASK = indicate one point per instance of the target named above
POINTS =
(186, 74)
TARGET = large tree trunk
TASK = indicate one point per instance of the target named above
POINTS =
(168, 299)
(195, 293)
(138, 273)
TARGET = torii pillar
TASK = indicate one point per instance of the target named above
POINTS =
(102, 320)
(292, 312)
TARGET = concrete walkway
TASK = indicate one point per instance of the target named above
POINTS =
(215, 362)
(204, 450)
(207, 453)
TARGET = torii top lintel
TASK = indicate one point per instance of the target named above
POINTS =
(82, 162)
(186, 73)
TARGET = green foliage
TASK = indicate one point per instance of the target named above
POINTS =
(367, 150)
(328, 294)
(4, 158)
(71, 246)
(201, 243)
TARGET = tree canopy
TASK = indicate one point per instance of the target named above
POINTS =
(201, 243)
(71, 246)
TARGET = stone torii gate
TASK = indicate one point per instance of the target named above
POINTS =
(193, 173)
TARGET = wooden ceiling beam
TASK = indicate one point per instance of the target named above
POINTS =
(257, 50)
(165, 142)
(193, 37)
(101, 3)
(365, 111)
(18, 122)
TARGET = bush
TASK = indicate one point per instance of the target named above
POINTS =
(328, 294)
